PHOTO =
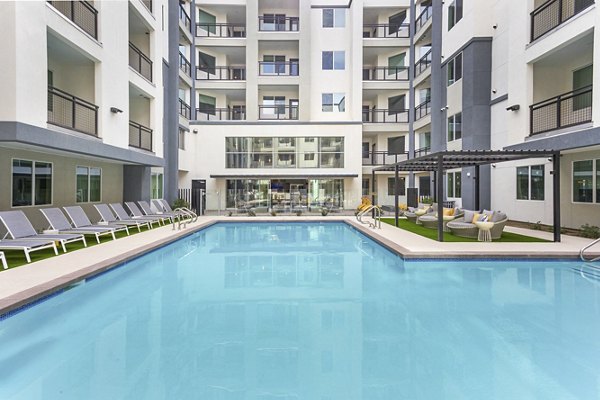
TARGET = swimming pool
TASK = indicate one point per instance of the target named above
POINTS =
(308, 311)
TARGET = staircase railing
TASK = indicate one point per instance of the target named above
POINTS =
(376, 214)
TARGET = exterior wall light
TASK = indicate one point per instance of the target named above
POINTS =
(115, 110)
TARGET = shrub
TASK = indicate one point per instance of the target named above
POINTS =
(426, 200)
(180, 203)
(590, 231)
(274, 213)
(324, 211)
(229, 213)
(537, 226)
(299, 213)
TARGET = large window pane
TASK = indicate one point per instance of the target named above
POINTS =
(523, 183)
(43, 183)
(537, 182)
(22, 176)
(95, 184)
(81, 195)
(327, 61)
(340, 18)
(582, 181)
(327, 102)
(327, 18)
(339, 60)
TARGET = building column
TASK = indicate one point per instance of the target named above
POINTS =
(136, 182)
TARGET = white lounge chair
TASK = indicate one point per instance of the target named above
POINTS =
(107, 216)
(18, 227)
(57, 221)
(3, 260)
(163, 214)
(137, 213)
(81, 220)
(123, 215)
(28, 246)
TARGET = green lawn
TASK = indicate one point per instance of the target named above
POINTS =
(16, 258)
(449, 237)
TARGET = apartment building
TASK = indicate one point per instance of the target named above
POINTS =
(296, 100)
(81, 116)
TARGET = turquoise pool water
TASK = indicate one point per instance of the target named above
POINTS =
(308, 311)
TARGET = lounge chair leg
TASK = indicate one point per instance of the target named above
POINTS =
(139, 228)
(4, 265)
(55, 248)
(64, 246)
(97, 237)
(27, 257)
(84, 241)
(113, 235)
(127, 230)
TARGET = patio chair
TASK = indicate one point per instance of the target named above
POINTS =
(431, 220)
(3, 260)
(137, 213)
(122, 215)
(107, 216)
(57, 221)
(464, 227)
(411, 215)
(81, 220)
(18, 227)
(147, 210)
(28, 245)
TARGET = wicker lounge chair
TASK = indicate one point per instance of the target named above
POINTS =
(413, 217)
(468, 229)
(431, 220)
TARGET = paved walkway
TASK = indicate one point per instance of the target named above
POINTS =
(21, 285)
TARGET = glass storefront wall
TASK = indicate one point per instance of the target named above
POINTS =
(284, 194)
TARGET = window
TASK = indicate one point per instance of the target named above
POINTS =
(334, 17)
(396, 104)
(397, 145)
(207, 21)
(334, 102)
(583, 181)
(207, 63)
(156, 185)
(395, 22)
(530, 182)
(366, 187)
(89, 181)
(31, 183)
(455, 127)
(181, 138)
(455, 69)
(454, 189)
(273, 65)
(273, 22)
(207, 104)
(455, 13)
(365, 149)
(582, 78)
(334, 60)
(401, 186)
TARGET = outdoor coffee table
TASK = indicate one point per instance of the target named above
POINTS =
(484, 231)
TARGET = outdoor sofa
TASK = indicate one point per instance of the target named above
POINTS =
(464, 226)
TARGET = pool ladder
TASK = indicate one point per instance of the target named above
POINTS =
(376, 223)
(184, 215)
(582, 251)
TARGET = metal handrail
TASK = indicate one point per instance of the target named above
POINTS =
(279, 24)
(223, 30)
(556, 109)
(385, 73)
(423, 18)
(423, 109)
(553, 13)
(376, 211)
(384, 31)
(225, 73)
(583, 249)
(279, 68)
(185, 18)
(423, 63)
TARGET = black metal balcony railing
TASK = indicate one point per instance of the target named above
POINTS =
(385, 74)
(568, 109)
(220, 30)
(140, 136)
(221, 73)
(422, 151)
(278, 68)
(185, 18)
(386, 31)
(72, 112)
(423, 63)
(553, 13)
(423, 109)
(385, 116)
(221, 114)
(383, 158)
(81, 12)
(140, 62)
(278, 24)
(278, 112)
(148, 4)
(423, 18)
(185, 65)
(185, 109)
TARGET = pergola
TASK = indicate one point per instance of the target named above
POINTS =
(446, 160)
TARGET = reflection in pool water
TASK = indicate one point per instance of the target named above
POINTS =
(320, 313)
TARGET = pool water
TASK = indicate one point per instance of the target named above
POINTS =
(308, 311)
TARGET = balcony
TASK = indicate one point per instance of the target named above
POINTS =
(423, 109)
(71, 112)
(81, 12)
(140, 62)
(140, 136)
(278, 68)
(275, 23)
(377, 116)
(220, 30)
(221, 73)
(236, 113)
(563, 111)
(423, 18)
(376, 158)
(184, 65)
(185, 18)
(423, 151)
(386, 31)
(277, 112)
(553, 13)
(385, 73)
(423, 63)
(184, 109)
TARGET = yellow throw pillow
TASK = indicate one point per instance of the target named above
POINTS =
(448, 212)
(476, 217)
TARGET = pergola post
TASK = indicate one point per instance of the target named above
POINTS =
(373, 192)
(396, 213)
(556, 194)
(440, 196)
(477, 187)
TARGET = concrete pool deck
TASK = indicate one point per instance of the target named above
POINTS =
(22, 285)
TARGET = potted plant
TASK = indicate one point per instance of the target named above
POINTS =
(324, 211)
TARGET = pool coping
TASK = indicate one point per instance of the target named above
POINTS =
(27, 297)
